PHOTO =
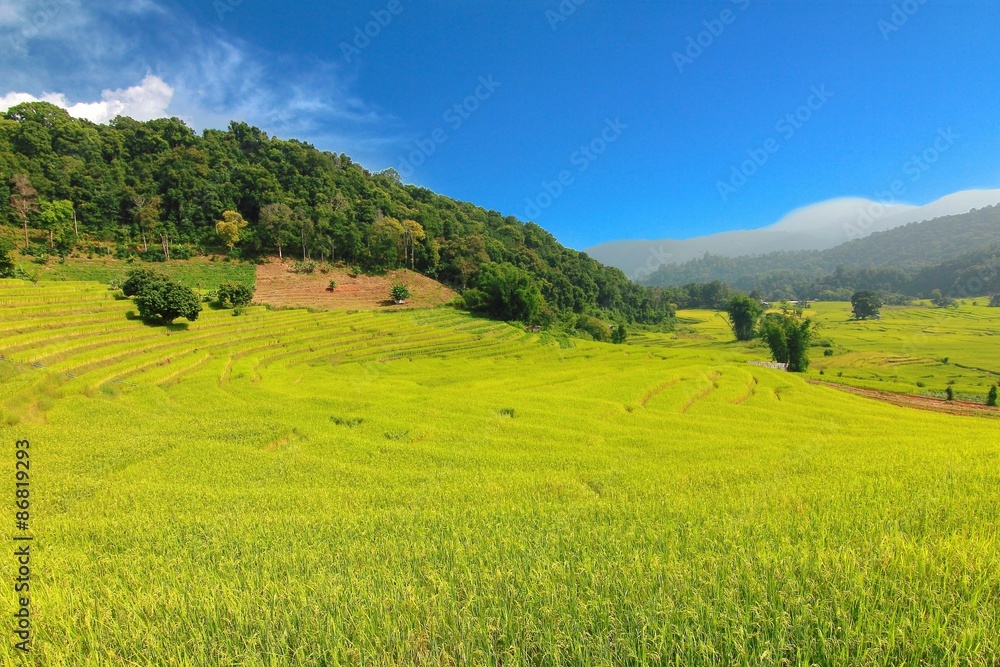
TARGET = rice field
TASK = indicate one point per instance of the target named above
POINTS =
(426, 488)
(197, 273)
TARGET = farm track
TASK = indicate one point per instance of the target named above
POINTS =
(962, 408)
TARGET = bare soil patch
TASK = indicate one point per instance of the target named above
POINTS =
(919, 402)
(278, 286)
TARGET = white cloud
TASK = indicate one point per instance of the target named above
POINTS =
(150, 99)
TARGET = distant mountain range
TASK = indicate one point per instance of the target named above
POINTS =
(813, 228)
(924, 255)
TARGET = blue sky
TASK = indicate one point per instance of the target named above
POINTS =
(598, 120)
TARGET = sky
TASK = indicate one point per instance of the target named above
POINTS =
(599, 120)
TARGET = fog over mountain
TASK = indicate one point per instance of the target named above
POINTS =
(815, 227)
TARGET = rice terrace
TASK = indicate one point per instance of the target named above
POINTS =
(440, 335)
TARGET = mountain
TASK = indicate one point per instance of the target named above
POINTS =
(910, 247)
(816, 227)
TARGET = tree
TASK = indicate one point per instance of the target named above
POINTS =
(233, 294)
(412, 233)
(619, 334)
(166, 300)
(743, 315)
(949, 394)
(505, 292)
(788, 338)
(865, 304)
(23, 201)
(6, 258)
(399, 293)
(276, 218)
(55, 216)
(147, 214)
(995, 301)
(306, 227)
(229, 228)
(991, 397)
(138, 279)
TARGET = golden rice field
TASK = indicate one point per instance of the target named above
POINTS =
(426, 488)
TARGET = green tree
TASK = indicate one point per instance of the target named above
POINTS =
(619, 334)
(6, 258)
(743, 315)
(138, 279)
(230, 228)
(505, 292)
(865, 304)
(276, 218)
(788, 339)
(233, 294)
(991, 397)
(166, 300)
(56, 217)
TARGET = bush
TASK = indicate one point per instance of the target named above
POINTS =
(995, 301)
(949, 394)
(166, 301)
(399, 293)
(619, 334)
(743, 315)
(234, 295)
(828, 352)
(308, 266)
(991, 397)
(332, 285)
(593, 327)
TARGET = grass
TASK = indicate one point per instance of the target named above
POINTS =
(424, 488)
(199, 273)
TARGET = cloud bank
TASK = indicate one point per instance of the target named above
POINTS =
(146, 101)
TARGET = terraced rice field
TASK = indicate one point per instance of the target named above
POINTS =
(422, 487)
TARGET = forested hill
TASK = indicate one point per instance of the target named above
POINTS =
(909, 248)
(157, 183)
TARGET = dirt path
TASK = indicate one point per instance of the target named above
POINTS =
(919, 402)
(278, 286)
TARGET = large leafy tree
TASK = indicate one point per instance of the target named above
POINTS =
(865, 304)
(788, 338)
(743, 315)
(505, 292)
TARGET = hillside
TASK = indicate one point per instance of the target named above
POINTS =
(146, 189)
(909, 248)
(278, 285)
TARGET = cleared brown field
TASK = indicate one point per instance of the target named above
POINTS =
(278, 286)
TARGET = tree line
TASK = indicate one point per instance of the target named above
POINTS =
(158, 190)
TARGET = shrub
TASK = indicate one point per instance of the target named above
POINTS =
(619, 334)
(995, 301)
(233, 294)
(788, 338)
(399, 293)
(949, 394)
(332, 285)
(828, 352)
(593, 327)
(308, 266)
(166, 301)
(991, 397)
(6, 259)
